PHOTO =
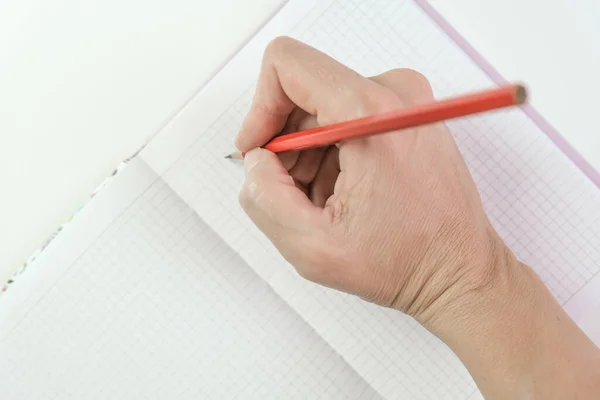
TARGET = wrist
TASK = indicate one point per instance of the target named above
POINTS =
(514, 337)
(488, 280)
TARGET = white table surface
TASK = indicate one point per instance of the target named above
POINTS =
(84, 83)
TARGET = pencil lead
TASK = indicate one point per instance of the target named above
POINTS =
(235, 156)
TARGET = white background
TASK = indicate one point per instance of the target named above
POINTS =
(83, 84)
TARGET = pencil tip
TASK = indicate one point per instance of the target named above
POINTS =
(235, 156)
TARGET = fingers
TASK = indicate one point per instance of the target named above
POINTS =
(273, 202)
(295, 74)
(298, 120)
(289, 159)
(324, 182)
(305, 169)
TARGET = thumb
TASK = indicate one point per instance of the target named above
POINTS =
(273, 202)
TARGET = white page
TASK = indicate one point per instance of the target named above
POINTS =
(75, 237)
(154, 305)
(541, 204)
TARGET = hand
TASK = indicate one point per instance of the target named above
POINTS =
(395, 219)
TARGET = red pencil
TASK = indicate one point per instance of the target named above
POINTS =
(492, 99)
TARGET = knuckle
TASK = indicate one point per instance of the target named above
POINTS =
(278, 46)
(421, 83)
(409, 85)
(416, 81)
(410, 75)
(338, 211)
(271, 107)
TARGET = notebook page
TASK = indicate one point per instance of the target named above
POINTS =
(158, 306)
(75, 237)
(540, 203)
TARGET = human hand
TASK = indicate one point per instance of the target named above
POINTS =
(395, 218)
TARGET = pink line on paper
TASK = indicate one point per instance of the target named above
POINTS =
(495, 76)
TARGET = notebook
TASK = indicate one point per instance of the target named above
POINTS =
(161, 287)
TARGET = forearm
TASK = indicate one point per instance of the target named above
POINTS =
(518, 343)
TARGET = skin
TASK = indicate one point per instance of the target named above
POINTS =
(396, 219)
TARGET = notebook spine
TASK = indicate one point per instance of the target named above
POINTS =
(107, 181)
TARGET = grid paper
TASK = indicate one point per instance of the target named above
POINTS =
(542, 205)
(160, 307)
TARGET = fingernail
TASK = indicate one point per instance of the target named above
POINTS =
(252, 159)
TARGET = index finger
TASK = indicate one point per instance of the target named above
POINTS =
(294, 74)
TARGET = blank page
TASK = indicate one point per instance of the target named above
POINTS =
(157, 306)
(541, 204)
